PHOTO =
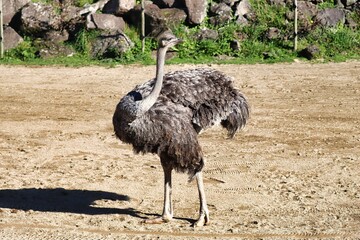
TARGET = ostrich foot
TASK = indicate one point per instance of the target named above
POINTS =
(202, 221)
(159, 220)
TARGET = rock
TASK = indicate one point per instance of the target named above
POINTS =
(348, 2)
(156, 19)
(221, 14)
(70, 13)
(172, 16)
(50, 49)
(220, 8)
(56, 36)
(38, 18)
(110, 44)
(105, 22)
(243, 8)
(306, 12)
(118, 7)
(241, 20)
(10, 8)
(205, 34)
(310, 52)
(11, 38)
(330, 17)
(230, 3)
(350, 22)
(244, 13)
(307, 9)
(72, 21)
(196, 11)
(338, 3)
(273, 33)
(235, 45)
(152, 17)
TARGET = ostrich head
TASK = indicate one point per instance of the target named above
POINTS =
(167, 40)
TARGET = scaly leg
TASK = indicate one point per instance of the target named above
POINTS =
(167, 214)
(204, 212)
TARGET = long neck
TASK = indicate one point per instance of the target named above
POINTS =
(149, 101)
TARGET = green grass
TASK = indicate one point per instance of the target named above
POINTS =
(81, 3)
(327, 4)
(336, 44)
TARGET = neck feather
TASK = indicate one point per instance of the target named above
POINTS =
(149, 101)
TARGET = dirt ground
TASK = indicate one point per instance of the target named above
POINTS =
(292, 173)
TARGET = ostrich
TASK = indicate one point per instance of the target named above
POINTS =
(164, 116)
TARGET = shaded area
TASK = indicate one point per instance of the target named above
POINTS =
(62, 200)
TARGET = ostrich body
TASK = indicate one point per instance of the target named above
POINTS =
(165, 115)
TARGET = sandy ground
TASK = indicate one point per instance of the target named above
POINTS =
(293, 172)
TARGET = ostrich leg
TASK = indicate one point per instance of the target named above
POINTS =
(167, 214)
(204, 212)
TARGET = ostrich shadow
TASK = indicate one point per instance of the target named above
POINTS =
(62, 200)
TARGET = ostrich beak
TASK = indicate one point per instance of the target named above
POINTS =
(176, 41)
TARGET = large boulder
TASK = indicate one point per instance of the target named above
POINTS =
(273, 33)
(230, 3)
(221, 14)
(118, 7)
(310, 52)
(348, 2)
(56, 36)
(72, 20)
(10, 8)
(110, 44)
(38, 18)
(330, 17)
(351, 22)
(51, 49)
(243, 12)
(70, 14)
(207, 34)
(243, 8)
(11, 38)
(306, 13)
(172, 16)
(105, 21)
(196, 10)
(156, 19)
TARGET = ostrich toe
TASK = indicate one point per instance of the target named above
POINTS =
(202, 221)
(159, 220)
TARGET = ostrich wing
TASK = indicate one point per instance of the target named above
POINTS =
(210, 95)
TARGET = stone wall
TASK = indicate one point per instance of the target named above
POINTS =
(60, 21)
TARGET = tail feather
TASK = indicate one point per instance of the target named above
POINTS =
(232, 116)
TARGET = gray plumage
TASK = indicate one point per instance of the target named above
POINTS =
(189, 101)
(183, 103)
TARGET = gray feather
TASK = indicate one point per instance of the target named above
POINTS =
(189, 101)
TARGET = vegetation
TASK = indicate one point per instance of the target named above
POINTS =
(337, 44)
(81, 3)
